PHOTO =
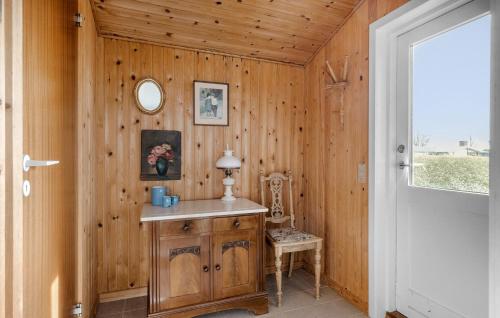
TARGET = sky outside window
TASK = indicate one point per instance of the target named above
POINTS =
(451, 87)
(451, 109)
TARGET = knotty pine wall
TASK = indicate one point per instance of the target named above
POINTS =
(336, 203)
(86, 204)
(266, 130)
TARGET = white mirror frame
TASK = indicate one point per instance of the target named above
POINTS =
(138, 102)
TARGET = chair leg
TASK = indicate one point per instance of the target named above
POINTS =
(290, 270)
(279, 293)
(317, 269)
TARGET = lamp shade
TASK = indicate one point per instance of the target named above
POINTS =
(228, 161)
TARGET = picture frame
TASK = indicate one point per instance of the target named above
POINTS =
(161, 155)
(210, 103)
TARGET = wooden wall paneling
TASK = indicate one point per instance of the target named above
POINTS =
(145, 59)
(271, 117)
(246, 94)
(209, 133)
(255, 158)
(121, 218)
(111, 163)
(199, 132)
(177, 107)
(86, 163)
(4, 223)
(336, 203)
(137, 231)
(253, 115)
(101, 154)
(15, 96)
(235, 114)
(216, 176)
(189, 146)
(297, 146)
(134, 191)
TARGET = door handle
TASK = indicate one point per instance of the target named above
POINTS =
(27, 163)
(403, 165)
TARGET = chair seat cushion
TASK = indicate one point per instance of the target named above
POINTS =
(287, 234)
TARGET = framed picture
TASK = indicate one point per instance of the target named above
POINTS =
(211, 103)
(160, 155)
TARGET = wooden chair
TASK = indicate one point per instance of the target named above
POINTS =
(287, 239)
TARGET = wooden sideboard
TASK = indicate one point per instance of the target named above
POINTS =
(206, 256)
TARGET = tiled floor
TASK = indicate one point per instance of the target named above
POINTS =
(298, 301)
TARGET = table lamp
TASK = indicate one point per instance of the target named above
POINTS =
(228, 162)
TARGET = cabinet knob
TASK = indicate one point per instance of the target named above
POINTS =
(236, 223)
(205, 268)
(217, 267)
(186, 227)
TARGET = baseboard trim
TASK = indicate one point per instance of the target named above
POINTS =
(123, 294)
(395, 314)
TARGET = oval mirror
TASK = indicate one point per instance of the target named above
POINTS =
(149, 96)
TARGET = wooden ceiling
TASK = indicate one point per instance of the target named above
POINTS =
(280, 30)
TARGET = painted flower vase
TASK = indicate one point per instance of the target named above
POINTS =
(161, 166)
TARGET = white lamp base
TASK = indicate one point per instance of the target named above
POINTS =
(228, 193)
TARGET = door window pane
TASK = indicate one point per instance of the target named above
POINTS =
(451, 109)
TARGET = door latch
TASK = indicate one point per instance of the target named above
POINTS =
(77, 310)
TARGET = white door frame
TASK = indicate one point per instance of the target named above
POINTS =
(495, 164)
(382, 143)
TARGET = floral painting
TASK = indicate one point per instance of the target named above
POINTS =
(161, 155)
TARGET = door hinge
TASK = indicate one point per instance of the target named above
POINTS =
(78, 19)
(77, 310)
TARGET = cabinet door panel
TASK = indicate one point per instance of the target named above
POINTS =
(235, 260)
(183, 271)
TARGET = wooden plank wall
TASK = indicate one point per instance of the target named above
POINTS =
(336, 204)
(11, 173)
(266, 131)
(86, 162)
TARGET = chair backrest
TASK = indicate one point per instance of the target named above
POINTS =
(276, 182)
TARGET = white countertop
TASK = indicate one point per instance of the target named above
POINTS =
(195, 209)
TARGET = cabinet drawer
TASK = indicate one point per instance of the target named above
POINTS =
(236, 223)
(185, 227)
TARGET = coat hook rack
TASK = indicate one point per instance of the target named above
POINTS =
(336, 83)
(331, 72)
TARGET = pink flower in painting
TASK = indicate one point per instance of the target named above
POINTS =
(164, 151)
(152, 159)
(169, 155)
(158, 150)
(166, 147)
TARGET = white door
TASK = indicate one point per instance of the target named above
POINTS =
(443, 102)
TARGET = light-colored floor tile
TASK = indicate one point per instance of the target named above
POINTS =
(300, 280)
(326, 294)
(293, 299)
(298, 301)
(335, 309)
